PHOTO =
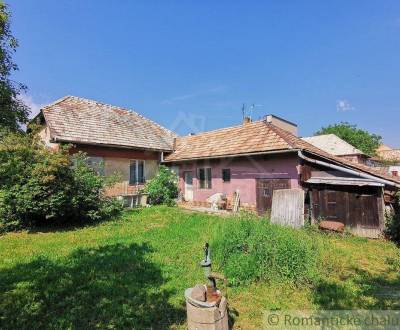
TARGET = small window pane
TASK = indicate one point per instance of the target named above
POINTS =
(132, 172)
(209, 178)
(140, 171)
(226, 175)
(136, 172)
(202, 178)
(205, 178)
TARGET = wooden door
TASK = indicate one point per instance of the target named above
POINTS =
(369, 216)
(264, 192)
(353, 206)
(331, 206)
(188, 178)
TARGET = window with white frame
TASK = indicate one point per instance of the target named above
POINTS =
(136, 172)
(205, 178)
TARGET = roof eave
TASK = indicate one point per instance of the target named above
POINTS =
(352, 154)
(58, 140)
(278, 151)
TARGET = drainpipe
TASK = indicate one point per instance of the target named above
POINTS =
(347, 170)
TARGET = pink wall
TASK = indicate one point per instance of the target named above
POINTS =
(244, 172)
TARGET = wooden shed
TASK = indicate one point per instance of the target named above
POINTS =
(358, 207)
(335, 195)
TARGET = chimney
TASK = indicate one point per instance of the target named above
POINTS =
(282, 123)
(246, 120)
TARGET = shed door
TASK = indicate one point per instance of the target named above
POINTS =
(351, 206)
(264, 191)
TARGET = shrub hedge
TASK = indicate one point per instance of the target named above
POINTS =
(39, 186)
(392, 228)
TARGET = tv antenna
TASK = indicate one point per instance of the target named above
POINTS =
(247, 111)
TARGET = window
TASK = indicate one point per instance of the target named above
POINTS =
(96, 163)
(267, 192)
(226, 175)
(205, 178)
(136, 172)
(175, 170)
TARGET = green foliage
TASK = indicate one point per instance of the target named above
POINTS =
(163, 188)
(39, 186)
(392, 227)
(102, 273)
(254, 250)
(13, 111)
(359, 138)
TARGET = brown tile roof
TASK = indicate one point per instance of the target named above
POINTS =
(78, 120)
(389, 155)
(255, 137)
(247, 138)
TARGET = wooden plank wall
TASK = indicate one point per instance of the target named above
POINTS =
(353, 206)
(264, 192)
(288, 207)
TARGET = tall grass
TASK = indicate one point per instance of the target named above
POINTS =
(251, 250)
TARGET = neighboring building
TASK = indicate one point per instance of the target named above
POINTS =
(256, 158)
(115, 139)
(383, 148)
(388, 154)
(394, 170)
(387, 159)
(334, 145)
(282, 123)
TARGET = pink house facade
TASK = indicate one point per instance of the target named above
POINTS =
(254, 159)
(244, 173)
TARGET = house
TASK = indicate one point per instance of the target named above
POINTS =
(388, 158)
(116, 140)
(251, 159)
(256, 158)
(334, 145)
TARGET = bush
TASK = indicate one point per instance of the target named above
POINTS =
(39, 186)
(255, 250)
(163, 188)
(392, 228)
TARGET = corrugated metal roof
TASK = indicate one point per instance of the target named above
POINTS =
(344, 181)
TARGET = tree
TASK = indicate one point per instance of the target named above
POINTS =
(13, 112)
(357, 137)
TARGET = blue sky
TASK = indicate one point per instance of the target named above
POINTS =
(190, 65)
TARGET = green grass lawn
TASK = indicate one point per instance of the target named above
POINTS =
(132, 272)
